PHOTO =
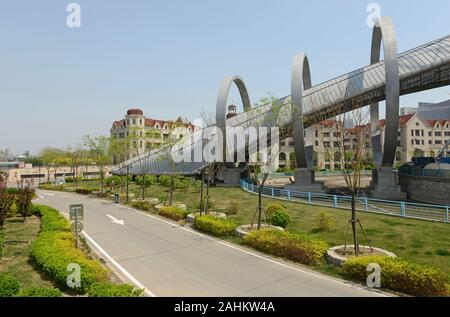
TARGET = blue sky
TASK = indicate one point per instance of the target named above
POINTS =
(169, 57)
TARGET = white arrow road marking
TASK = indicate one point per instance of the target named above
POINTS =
(115, 220)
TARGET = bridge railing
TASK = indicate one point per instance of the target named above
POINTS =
(402, 209)
(325, 173)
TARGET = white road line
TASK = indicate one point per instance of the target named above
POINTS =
(257, 255)
(119, 267)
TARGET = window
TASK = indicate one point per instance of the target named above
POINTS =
(141, 145)
(417, 132)
(336, 134)
(282, 156)
(412, 132)
(134, 121)
(335, 144)
(437, 142)
(437, 133)
(326, 144)
(447, 133)
(140, 121)
(316, 133)
(421, 132)
(326, 134)
(421, 141)
(417, 142)
(430, 142)
(317, 143)
(417, 124)
(430, 133)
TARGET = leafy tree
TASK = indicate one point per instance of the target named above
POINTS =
(51, 159)
(98, 148)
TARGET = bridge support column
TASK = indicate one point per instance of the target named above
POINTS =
(231, 177)
(385, 184)
(305, 182)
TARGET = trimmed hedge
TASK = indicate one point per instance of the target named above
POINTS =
(83, 191)
(9, 286)
(54, 250)
(215, 226)
(35, 291)
(400, 275)
(105, 289)
(52, 187)
(296, 247)
(173, 212)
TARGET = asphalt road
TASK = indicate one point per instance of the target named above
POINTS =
(169, 260)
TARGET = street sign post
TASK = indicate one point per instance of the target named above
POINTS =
(76, 214)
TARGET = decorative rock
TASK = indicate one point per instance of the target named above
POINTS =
(244, 230)
(337, 259)
(190, 218)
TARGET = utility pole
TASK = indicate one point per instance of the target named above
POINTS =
(128, 168)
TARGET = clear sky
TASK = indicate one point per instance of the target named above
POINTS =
(169, 57)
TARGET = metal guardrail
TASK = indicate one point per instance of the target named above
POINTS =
(418, 171)
(325, 173)
(402, 209)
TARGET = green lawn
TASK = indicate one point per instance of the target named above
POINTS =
(420, 241)
(16, 258)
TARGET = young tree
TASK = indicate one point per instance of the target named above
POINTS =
(264, 162)
(74, 160)
(51, 158)
(346, 146)
(138, 146)
(98, 148)
(24, 196)
(6, 200)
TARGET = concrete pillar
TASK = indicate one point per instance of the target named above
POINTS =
(305, 182)
(385, 184)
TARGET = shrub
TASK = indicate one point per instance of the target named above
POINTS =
(270, 209)
(173, 212)
(324, 222)
(69, 179)
(234, 207)
(105, 289)
(9, 286)
(109, 180)
(83, 191)
(215, 226)
(148, 180)
(51, 219)
(296, 247)
(280, 219)
(54, 250)
(51, 187)
(35, 291)
(164, 180)
(142, 204)
(12, 190)
(399, 275)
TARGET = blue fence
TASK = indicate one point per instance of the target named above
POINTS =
(387, 207)
(325, 173)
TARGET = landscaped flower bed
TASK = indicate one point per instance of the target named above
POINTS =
(215, 226)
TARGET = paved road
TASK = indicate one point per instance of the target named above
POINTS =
(169, 260)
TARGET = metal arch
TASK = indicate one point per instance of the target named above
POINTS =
(384, 31)
(300, 81)
(222, 103)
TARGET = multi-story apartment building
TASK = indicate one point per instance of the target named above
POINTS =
(416, 137)
(149, 133)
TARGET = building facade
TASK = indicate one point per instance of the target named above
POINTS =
(149, 133)
(417, 137)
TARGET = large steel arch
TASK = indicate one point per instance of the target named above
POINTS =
(300, 81)
(383, 32)
(222, 104)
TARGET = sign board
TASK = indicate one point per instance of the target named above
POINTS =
(76, 212)
(76, 226)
